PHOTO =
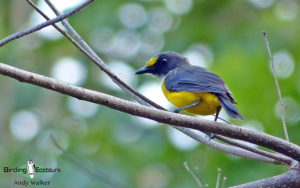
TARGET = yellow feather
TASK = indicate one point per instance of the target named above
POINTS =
(208, 105)
(152, 61)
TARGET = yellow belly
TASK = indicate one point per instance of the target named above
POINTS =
(208, 105)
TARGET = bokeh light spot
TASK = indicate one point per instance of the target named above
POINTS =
(180, 140)
(283, 64)
(82, 108)
(151, 90)
(133, 15)
(179, 6)
(261, 3)
(199, 54)
(160, 20)
(127, 133)
(25, 125)
(287, 10)
(292, 110)
(126, 44)
(124, 72)
(102, 39)
(69, 70)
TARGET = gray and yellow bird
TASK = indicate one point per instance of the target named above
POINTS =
(191, 88)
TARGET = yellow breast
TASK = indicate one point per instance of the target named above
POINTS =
(208, 105)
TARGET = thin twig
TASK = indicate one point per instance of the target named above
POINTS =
(255, 137)
(274, 156)
(277, 87)
(197, 171)
(227, 148)
(223, 183)
(100, 63)
(193, 175)
(218, 178)
(44, 24)
(84, 166)
(87, 50)
(279, 159)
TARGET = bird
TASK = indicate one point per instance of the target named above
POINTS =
(30, 168)
(191, 88)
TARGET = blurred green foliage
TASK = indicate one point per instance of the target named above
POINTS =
(116, 145)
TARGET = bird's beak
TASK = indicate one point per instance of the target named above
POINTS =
(143, 70)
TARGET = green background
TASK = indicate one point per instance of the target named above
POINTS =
(108, 145)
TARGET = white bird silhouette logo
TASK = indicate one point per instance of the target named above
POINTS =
(30, 168)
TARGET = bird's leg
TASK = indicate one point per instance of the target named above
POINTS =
(211, 135)
(188, 106)
(217, 113)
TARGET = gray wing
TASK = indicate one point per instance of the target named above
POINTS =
(196, 79)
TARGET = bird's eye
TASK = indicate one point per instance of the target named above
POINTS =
(164, 60)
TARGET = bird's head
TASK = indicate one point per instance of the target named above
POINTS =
(163, 63)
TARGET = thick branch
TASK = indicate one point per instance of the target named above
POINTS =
(262, 139)
(288, 179)
(44, 24)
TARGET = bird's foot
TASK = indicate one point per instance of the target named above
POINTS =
(177, 110)
(210, 136)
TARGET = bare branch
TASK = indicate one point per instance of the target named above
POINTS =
(93, 56)
(288, 179)
(44, 24)
(226, 148)
(193, 175)
(223, 183)
(277, 87)
(262, 139)
(277, 157)
(218, 178)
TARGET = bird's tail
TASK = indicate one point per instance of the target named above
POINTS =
(230, 109)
